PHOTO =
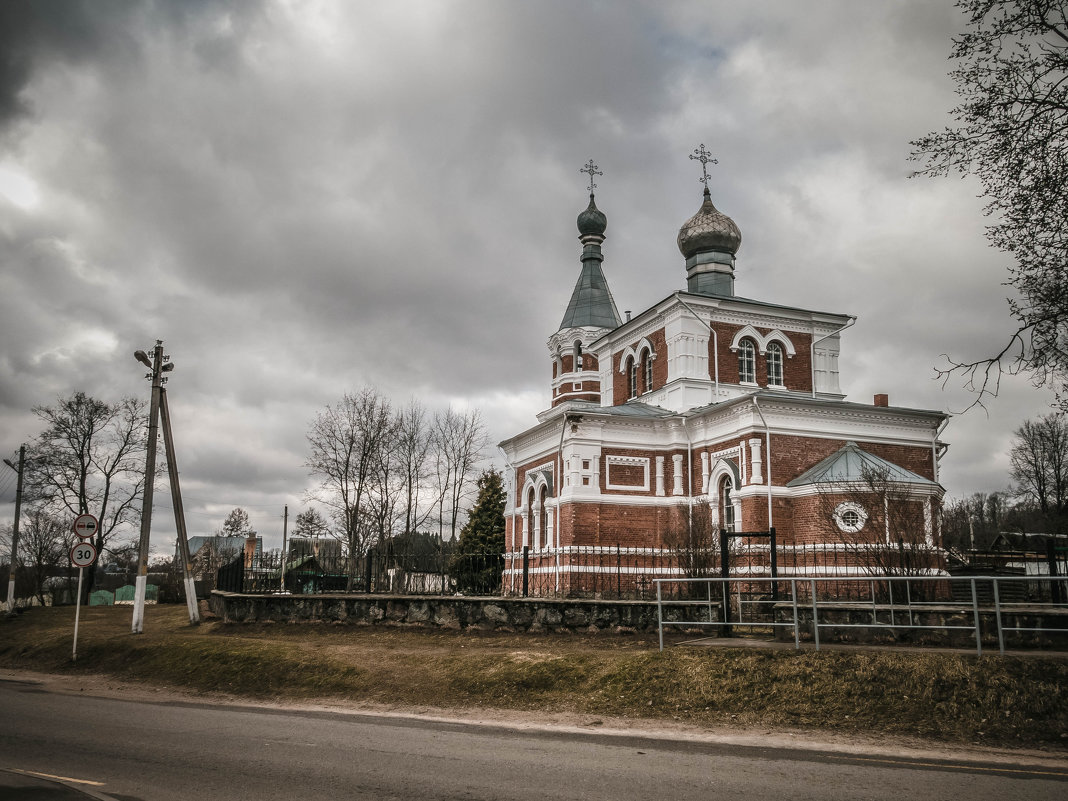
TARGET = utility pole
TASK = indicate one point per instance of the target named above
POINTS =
(285, 532)
(141, 581)
(15, 530)
(179, 509)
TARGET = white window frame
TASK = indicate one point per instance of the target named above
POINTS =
(746, 362)
(846, 507)
(774, 360)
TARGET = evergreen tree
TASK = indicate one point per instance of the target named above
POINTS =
(478, 561)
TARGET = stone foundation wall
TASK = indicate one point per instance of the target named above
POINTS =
(455, 612)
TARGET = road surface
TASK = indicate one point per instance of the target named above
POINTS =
(159, 751)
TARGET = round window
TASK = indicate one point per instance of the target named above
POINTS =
(850, 517)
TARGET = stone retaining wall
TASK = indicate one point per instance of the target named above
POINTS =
(456, 612)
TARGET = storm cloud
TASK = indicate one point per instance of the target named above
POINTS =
(302, 198)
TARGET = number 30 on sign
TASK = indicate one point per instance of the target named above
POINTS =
(82, 554)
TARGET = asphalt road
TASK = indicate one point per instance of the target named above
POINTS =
(177, 750)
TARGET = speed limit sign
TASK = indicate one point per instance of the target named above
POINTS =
(82, 554)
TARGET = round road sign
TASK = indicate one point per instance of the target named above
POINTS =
(85, 526)
(83, 554)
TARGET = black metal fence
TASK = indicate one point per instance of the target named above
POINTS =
(608, 572)
(379, 570)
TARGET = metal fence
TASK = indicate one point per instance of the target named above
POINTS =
(611, 572)
(376, 571)
(879, 605)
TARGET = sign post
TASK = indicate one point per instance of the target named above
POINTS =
(82, 555)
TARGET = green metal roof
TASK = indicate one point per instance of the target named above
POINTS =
(591, 302)
(851, 464)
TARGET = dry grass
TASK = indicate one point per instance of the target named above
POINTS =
(950, 697)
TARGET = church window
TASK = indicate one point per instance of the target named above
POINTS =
(746, 362)
(647, 365)
(578, 356)
(850, 517)
(775, 364)
(632, 379)
(543, 519)
(727, 512)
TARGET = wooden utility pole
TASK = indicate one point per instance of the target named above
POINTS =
(15, 530)
(141, 581)
(179, 509)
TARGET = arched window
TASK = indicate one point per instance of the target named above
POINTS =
(746, 361)
(632, 378)
(647, 370)
(726, 514)
(543, 519)
(578, 357)
(775, 364)
(530, 530)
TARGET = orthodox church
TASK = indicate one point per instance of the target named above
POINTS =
(709, 399)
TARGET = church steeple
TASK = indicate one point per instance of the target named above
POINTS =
(590, 314)
(708, 241)
(591, 301)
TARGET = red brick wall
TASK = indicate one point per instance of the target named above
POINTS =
(669, 470)
(608, 524)
(620, 383)
(791, 456)
(796, 369)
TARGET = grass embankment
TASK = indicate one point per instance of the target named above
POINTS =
(950, 697)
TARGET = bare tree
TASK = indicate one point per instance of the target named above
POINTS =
(413, 445)
(461, 439)
(89, 459)
(386, 489)
(1011, 70)
(44, 545)
(347, 442)
(884, 525)
(694, 540)
(974, 522)
(1039, 459)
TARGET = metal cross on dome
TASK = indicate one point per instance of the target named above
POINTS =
(591, 168)
(703, 156)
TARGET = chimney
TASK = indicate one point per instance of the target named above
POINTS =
(628, 315)
(882, 400)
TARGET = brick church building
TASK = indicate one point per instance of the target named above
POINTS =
(706, 399)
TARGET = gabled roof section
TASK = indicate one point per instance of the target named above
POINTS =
(591, 302)
(851, 464)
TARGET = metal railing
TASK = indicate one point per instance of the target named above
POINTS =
(877, 604)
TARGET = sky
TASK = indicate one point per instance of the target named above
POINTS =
(305, 198)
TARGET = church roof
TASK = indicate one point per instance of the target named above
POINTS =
(709, 230)
(591, 301)
(632, 409)
(851, 464)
